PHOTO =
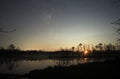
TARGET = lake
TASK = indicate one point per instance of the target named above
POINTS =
(14, 66)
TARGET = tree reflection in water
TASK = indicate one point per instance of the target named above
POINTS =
(68, 62)
(9, 64)
(15, 66)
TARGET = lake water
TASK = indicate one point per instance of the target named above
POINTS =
(10, 66)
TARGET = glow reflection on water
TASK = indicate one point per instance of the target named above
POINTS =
(25, 66)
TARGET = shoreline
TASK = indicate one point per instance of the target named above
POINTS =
(96, 70)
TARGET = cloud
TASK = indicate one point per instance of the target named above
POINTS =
(7, 31)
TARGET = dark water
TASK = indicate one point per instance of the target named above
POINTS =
(10, 66)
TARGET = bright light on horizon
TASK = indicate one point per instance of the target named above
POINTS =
(85, 52)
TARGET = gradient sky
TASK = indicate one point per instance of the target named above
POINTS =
(55, 24)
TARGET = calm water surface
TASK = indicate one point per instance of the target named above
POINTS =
(25, 66)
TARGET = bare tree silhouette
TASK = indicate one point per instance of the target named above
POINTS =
(11, 47)
(80, 47)
(117, 22)
(117, 28)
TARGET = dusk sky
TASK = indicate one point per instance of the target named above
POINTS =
(55, 24)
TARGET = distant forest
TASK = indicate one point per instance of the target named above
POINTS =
(82, 50)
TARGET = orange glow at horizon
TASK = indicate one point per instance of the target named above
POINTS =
(85, 52)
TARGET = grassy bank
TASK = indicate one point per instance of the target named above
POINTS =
(97, 70)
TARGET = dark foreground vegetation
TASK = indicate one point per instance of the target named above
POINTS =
(96, 70)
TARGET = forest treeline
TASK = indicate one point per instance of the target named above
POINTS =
(82, 50)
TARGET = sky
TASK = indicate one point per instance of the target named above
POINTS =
(55, 24)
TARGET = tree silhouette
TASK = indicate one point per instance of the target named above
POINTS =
(117, 28)
(99, 46)
(80, 46)
(117, 22)
(110, 47)
(11, 47)
(73, 48)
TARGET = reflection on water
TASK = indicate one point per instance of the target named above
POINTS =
(24, 66)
